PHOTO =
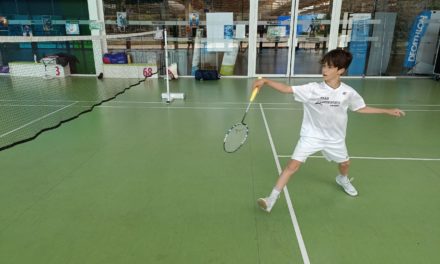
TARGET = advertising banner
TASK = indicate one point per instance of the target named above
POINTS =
(121, 21)
(359, 43)
(215, 26)
(229, 58)
(72, 28)
(416, 34)
(197, 52)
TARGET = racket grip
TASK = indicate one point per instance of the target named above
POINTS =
(255, 91)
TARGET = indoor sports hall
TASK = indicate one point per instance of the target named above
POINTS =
(116, 120)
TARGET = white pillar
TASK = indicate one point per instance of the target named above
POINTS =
(293, 37)
(101, 18)
(252, 49)
(334, 26)
(96, 13)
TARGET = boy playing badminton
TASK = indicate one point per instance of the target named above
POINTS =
(325, 121)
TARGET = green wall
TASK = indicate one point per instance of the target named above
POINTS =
(67, 8)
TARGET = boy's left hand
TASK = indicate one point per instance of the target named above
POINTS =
(396, 112)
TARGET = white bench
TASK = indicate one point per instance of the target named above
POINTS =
(33, 69)
(133, 70)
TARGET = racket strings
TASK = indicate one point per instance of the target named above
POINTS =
(235, 137)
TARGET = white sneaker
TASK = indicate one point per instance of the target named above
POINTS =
(266, 204)
(346, 184)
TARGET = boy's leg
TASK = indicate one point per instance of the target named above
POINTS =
(344, 167)
(267, 203)
(304, 148)
(337, 151)
(342, 178)
(292, 166)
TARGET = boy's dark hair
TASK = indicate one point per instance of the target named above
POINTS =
(338, 58)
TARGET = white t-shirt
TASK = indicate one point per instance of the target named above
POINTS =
(325, 109)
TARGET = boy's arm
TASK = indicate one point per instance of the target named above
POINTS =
(373, 110)
(281, 87)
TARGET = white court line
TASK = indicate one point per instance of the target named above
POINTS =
(171, 107)
(225, 108)
(373, 158)
(222, 102)
(299, 238)
(418, 110)
(300, 109)
(17, 105)
(139, 105)
(36, 120)
(62, 101)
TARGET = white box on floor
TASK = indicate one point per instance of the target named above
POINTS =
(139, 71)
(32, 69)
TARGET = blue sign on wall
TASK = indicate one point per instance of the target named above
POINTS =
(304, 22)
(283, 19)
(416, 34)
(359, 44)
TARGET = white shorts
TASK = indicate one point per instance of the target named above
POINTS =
(332, 151)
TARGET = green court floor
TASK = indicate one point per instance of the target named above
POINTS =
(141, 181)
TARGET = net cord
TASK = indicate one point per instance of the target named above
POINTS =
(20, 39)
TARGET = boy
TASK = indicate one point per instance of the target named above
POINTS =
(324, 122)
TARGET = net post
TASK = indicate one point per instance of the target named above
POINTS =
(169, 97)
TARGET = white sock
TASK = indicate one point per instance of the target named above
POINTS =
(274, 194)
(344, 178)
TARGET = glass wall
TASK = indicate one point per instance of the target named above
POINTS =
(273, 29)
(312, 33)
(378, 33)
(45, 18)
(386, 37)
(375, 31)
(186, 24)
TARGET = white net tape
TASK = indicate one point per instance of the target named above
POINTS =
(19, 39)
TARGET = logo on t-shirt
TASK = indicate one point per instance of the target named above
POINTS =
(326, 101)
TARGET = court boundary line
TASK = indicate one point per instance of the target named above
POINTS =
(36, 120)
(228, 108)
(138, 105)
(16, 105)
(374, 158)
(293, 218)
(222, 103)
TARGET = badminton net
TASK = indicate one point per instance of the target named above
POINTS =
(40, 93)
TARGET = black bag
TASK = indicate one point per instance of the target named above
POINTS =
(207, 75)
(71, 59)
(62, 61)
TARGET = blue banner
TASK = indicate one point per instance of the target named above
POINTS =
(418, 29)
(359, 43)
(304, 22)
(282, 20)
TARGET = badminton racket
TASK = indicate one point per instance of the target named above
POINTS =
(236, 136)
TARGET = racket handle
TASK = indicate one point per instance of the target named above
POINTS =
(255, 91)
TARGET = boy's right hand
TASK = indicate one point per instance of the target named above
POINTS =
(259, 83)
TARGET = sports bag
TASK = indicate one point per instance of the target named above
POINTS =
(115, 58)
(207, 75)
